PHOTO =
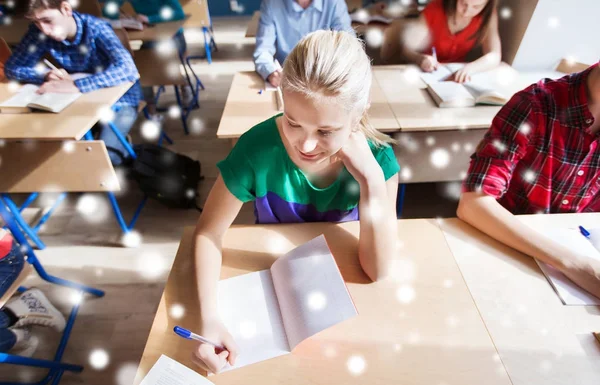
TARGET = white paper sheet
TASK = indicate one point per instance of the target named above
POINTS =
(568, 292)
(167, 371)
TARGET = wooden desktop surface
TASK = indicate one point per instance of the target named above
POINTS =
(437, 337)
(71, 124)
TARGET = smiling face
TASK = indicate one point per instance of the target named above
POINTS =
(470, 8)
(56, 23)
(313, 130)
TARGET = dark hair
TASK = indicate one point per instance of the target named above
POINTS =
(486, 16)
(34, 5)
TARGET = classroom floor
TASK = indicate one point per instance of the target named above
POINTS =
(84, 247)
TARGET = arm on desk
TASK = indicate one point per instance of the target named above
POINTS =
(219, 212)
(492, 51)
(486, 214)
(121, 69)
(265, 42)
(26, 56)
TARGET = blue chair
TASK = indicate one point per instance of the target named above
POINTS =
(55, 367)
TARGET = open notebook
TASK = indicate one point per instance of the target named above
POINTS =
(270, 312)
(27, 99)
(481, 89)
(126, 23)
(568, 292)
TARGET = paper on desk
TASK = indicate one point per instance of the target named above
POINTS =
(167, 371)
(569, 292)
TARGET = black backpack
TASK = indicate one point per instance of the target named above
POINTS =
(166, 176)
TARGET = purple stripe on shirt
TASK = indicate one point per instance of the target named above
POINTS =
(273, 209)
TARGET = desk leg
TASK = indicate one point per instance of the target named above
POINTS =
(400, 199)
(233, 142)
(207, 44)
(22, 224)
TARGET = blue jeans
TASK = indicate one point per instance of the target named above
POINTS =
(10, 268)
(125, 117)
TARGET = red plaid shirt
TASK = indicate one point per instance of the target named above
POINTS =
(539, 155)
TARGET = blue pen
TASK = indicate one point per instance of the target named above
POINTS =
(434, 52)
(584, 232)
(188, 335)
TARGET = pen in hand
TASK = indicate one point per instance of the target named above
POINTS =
(188, 335)
(584, 232)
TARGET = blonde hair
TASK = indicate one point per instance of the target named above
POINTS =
(333, 64)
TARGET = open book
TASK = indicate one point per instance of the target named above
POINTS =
(362, 17)
(569, 292)
(27, 99)
(479, 90)
(270, 312)
(130, 23)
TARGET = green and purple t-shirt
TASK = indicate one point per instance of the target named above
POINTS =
(259, 169)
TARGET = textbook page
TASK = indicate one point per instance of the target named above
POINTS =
(167, 371)
(248, 307)
(311, 291)
(443, 72)
(22, 98)
(569, 292)
(28, 98)
(451, 94)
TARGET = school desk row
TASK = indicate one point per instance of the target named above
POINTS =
(434, 144)
(460, 308)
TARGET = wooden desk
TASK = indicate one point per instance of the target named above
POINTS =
(160, 31)
(437, 338)
(415, 109)
(253, 25)
(540, 340)
(71, 124)
(245, 107)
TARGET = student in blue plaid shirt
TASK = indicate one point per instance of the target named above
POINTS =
(80, 44)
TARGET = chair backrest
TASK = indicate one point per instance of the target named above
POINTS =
(198, 12)
(4, 55)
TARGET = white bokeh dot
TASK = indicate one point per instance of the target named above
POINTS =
(406, 173)
(13, 86)
(174, 112)
(448, 283)
(525, 128)
(99, 359)
(500, 146)
(151, 264)
(190, 193)
(32, 48)
(76, 297)
(131, 239)
(412, 75)
(68, 146)
(529, 176)
(455, 147)
(106, 114)
(505, 13)
(440, 158)
(430, 141)
(150, 130)
(166, 13)
(166, 47)
(402, 270)
(356, 365)
(374, 37)
(468, 147)
(362, 15)
(197, 126)
(177, 311)
(316, 301)
(74, 3)
(111, 8)
(405, 294)
(126, 373)
(93, 208)
(553, 22)
(247, 329)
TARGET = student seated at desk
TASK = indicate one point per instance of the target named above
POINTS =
(319, 161)
(454, 28)
(284, 22)
(540, 155)
(80, 43)
(153, 12)
(27, 309)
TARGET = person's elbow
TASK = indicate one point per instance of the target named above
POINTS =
(376, 271)
(465, 206)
